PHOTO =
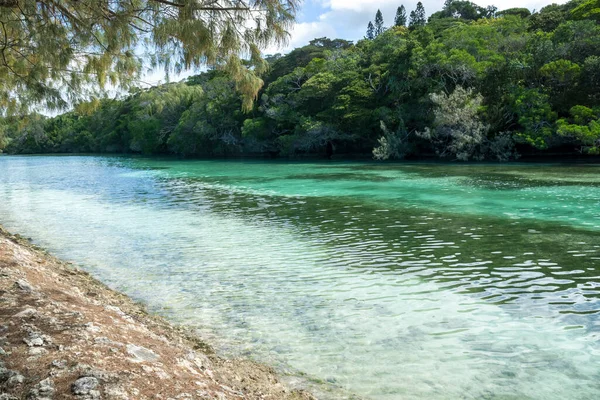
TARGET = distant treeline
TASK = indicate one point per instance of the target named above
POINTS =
(470, 83)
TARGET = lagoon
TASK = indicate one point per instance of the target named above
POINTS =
(382, 281)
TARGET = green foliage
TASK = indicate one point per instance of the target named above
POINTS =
(400, 19)
(392, 145)
(552, 16)
(470, 83)
(458, 131)
(370, 31)
(591, 74)
(583, 126)
(300, 57)
(55, 52)
(156, 113)
(212, 123)
(4, 139)
(417, 17)
(32, 136)
(517, 12)
(464, 10)
(561, 72)
(589, 9)
(379, 28)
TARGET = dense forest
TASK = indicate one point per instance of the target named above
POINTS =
(468, 83)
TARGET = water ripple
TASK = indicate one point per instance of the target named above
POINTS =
(387, 281)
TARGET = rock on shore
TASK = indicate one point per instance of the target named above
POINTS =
(64, 335)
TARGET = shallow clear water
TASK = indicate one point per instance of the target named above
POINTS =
(388, 281)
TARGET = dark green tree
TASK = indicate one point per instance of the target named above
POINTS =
(589, 9)
(54, 51)
(400, 19)
(418, 16)
(379, 28)
(448, 7)
(370, 31)
(465, 10)
(411, 19)
(518, 12)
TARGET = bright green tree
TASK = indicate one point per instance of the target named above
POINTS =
(584, 126)
(589, 9)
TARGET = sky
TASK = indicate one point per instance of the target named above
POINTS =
(348, 19)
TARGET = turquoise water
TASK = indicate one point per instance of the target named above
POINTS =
(409, 281)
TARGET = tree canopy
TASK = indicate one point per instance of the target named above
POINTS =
(418, 16)
(460, 87)
(370, 31)
(57, 51)
(400, 19)
(379, 28)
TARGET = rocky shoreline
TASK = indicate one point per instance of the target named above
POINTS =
(65, 335)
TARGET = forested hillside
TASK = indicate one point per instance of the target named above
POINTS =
(469, 83)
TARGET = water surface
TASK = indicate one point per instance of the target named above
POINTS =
(387, 281)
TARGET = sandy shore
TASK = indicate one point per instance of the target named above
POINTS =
(65, 335)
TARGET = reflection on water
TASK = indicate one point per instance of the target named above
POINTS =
(412, 282)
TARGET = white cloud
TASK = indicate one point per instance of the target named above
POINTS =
(304, 32)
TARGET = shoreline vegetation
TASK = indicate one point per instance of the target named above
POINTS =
(63, 334)
(467, 84)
